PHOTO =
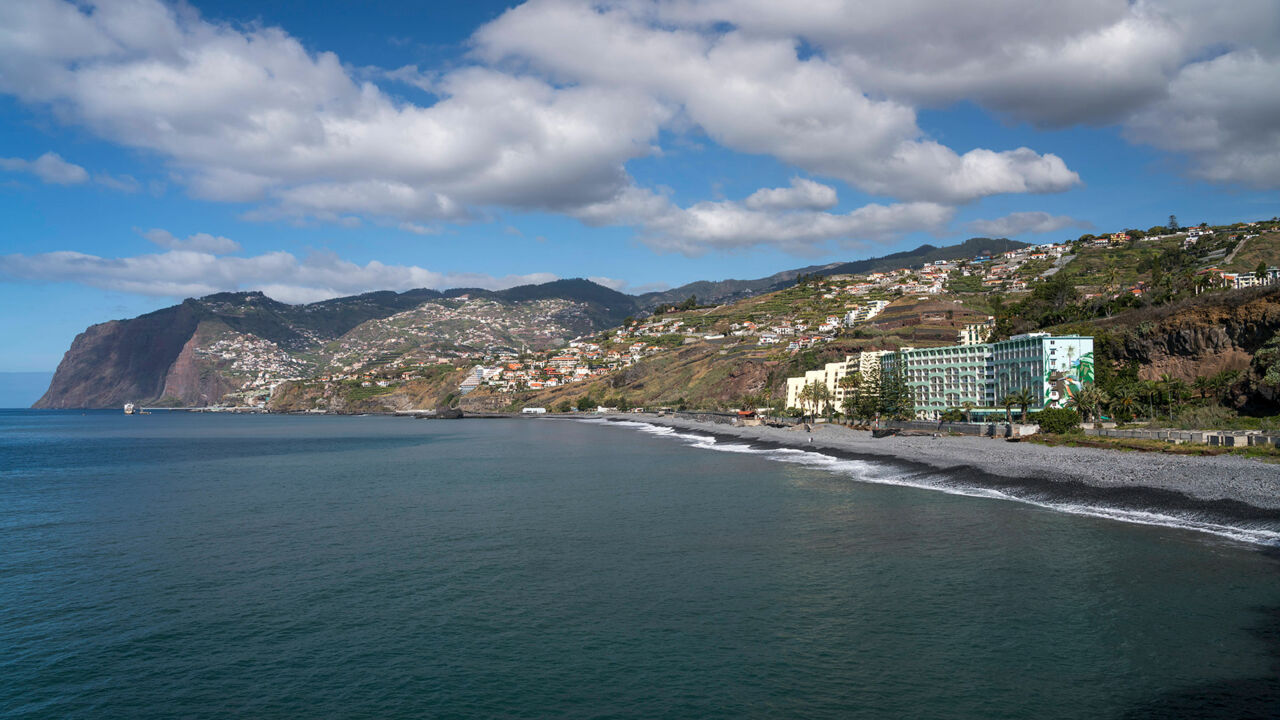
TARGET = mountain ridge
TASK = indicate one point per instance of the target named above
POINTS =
(172, 355)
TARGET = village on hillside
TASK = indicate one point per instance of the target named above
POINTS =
(506, 356)
(942, 302)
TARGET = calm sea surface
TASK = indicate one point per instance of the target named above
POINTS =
(182, 565)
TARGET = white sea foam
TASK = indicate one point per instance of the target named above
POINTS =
(887, 474)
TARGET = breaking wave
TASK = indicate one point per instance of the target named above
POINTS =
(889, 474)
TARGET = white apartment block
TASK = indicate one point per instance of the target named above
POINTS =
(866, 363)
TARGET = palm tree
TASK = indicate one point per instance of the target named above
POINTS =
(968, 407)
(822, 400)
(1152, 393)
(1089, 401)
(1125, 398)
(851, 384)
(1179, 393)
(1008, 401)
(1024, 398)
(805, 396)
(1169, 387)
(815, 395)
(1203, 385)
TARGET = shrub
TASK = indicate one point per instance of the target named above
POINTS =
(1056, 420)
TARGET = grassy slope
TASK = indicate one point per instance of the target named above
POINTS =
(1263, 249)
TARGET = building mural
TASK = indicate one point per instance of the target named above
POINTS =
(1060, 386)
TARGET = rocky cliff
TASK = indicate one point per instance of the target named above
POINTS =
(1200, 336)
(122, 360)
(204, 350)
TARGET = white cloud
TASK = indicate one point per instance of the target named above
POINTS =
(281, 275)
(755, 94)
(611, 283)
(1223, 115)
(49, 167)
(200, 242)
(730, 225)
(564, 93)
(53, 169)
(1024, 222)
(417, 229)
(251, 116)
(802, 195)
(120, 183)
(1186, 76)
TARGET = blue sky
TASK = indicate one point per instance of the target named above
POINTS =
(153, 151)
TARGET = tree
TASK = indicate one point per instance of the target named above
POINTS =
(1089, 401)
(822, 399)
(1008, 401)
(1153, 393)
(1178, 393)
(585, 403)
(968, 407)
(814, 397)
(896, 400)
(1056, 420)
(852, 385)
(1203, 385)
(1224, 382)
(805, 396)
(1173, 223)
(1024, 399)
(1125, 398)
(1260, 272)
(564, 406)
(1171, 390)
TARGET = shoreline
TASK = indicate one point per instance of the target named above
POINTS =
(1238, 493)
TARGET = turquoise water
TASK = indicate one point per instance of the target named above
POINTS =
(181, 565)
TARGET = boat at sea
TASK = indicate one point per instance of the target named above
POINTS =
(128, 408)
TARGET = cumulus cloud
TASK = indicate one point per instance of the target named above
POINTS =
(53, 169)
(559, 95)
(249, 115)
(49, 167)
(755, 94)
(1182, 75)
(802, 195)
(281, 275)
(730, 225)
(1024, 222)
(1219, 115)
(200, 242)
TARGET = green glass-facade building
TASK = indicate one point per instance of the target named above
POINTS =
(1053, 367)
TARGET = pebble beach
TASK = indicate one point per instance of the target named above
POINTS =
(1235, 486)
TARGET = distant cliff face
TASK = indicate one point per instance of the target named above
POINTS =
(122, 360)
(203, 350)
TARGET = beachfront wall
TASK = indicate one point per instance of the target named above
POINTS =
(1052, 367)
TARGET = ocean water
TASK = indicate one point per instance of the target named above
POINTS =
(193, 566)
